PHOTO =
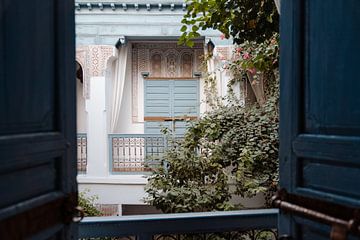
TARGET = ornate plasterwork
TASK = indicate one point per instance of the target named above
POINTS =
(99, 56)
(162, 60)
(94, 60)
(82, 60)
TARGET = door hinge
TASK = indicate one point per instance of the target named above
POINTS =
(72, 212)
(342, 219)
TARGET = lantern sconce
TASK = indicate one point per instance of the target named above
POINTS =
(145, 74)
(197, 74)
(121, 42)
(210, 47)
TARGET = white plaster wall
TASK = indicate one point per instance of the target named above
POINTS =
(115, 193)
(97, 140)
(81, 115)
(106, 26)
(115, 189)
(120, 191)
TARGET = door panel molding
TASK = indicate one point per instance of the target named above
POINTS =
(328, 147)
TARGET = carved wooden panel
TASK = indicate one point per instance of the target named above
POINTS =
(163, 60)
(187, 64)
(156, 63)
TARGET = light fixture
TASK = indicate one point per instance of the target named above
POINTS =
(120, 42)
(197, 74)
(145, 74)
(210, 47)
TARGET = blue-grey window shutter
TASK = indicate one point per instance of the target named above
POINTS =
(170, 99)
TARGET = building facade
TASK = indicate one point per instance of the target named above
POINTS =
(132, 80)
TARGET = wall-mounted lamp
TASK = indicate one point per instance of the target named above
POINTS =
(120, 42)
(145, 74)
(197, 74)
(210, 47)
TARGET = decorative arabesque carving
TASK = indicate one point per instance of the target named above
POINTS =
(156, 63)
(163, 60)
(187, 64)
(93, 59)
(172, 65)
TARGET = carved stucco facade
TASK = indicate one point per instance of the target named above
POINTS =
(162, 60)
(94, 61)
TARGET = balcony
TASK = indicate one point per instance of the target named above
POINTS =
(130, 152)
(232, 225)
(81, 152)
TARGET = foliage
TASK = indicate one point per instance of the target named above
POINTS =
(88, 204)
(230, 144)
(252, 57)
(243, 20)
(252, 60)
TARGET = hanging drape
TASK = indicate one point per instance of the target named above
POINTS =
(277, 3)
(118, 87)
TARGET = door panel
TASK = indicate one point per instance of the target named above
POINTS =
(37, 119)
(331, 44)
(20, 62)
(320, 114)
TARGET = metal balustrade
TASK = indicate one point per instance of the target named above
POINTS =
(133, 152)
(81, 152)
(232, 225)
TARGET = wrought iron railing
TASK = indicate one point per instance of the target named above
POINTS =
(134, 152)
(81, 152)
(232, 225)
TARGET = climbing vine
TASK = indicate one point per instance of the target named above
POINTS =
(229, 151)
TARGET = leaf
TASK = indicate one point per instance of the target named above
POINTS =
(195, 28)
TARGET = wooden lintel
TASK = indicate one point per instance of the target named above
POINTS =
(172, 78)
(164, 119)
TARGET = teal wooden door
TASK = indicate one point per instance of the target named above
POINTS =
(169, 103)
(320, 119)
(37, 119)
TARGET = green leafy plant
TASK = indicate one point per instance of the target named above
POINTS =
(243, 20)
(87, 202)
(252, 58)
(229, 145)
